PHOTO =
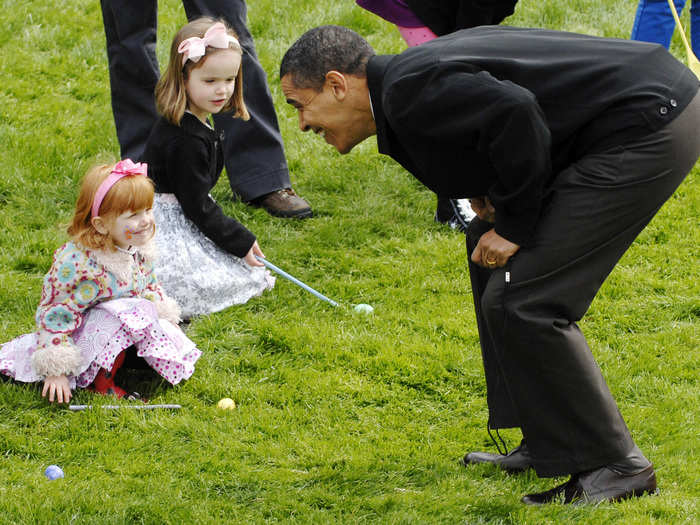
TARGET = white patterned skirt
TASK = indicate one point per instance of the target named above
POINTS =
(106, 330)
(194, 271)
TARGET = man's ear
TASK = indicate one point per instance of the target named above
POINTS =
(99, 224)
(338, 84)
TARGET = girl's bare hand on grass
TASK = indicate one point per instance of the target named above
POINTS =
(57, 387)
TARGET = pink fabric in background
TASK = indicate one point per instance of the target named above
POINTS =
(415, 36)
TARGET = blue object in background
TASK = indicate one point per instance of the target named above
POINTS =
(654, 22)
(53, 472)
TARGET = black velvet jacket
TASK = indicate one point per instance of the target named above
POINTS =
(187, 160)
(446, 16)
(499, 111)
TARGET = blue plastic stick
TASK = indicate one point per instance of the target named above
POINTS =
(296, 281)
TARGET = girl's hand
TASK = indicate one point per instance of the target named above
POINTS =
(483, 208)
(493, 251)
(58, 386)
(250, 256)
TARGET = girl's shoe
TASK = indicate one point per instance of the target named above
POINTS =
(104, 380)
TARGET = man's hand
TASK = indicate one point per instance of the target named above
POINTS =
(493, 251)
(483, 208)
(58, 387)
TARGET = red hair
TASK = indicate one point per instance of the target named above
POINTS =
(128, 193)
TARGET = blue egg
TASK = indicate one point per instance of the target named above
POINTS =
(53, 472)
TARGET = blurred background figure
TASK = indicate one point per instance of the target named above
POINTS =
(654, 22)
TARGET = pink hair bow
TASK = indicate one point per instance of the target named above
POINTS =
(121, 169)
(194, 48)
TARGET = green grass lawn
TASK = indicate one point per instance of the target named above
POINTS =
(342, 417)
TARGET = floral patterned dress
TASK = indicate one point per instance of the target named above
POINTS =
(94, 304)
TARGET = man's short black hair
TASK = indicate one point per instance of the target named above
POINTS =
(323, 49)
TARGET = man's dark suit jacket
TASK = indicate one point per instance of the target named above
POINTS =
(499, 111)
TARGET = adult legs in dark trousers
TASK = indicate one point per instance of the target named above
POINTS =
(253, 150)
(540, 373)
(130, 30)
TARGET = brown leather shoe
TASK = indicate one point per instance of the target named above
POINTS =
(284, 203)
(595, 486)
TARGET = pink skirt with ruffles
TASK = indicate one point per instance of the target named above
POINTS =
(107, 329)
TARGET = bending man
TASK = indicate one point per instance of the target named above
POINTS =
(567, 145)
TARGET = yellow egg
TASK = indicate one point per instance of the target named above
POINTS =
(226, 404)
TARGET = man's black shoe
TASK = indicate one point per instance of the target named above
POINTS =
(517, 460)
(456, 213)
(595, 486)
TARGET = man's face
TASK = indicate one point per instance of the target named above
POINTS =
(326, 113)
